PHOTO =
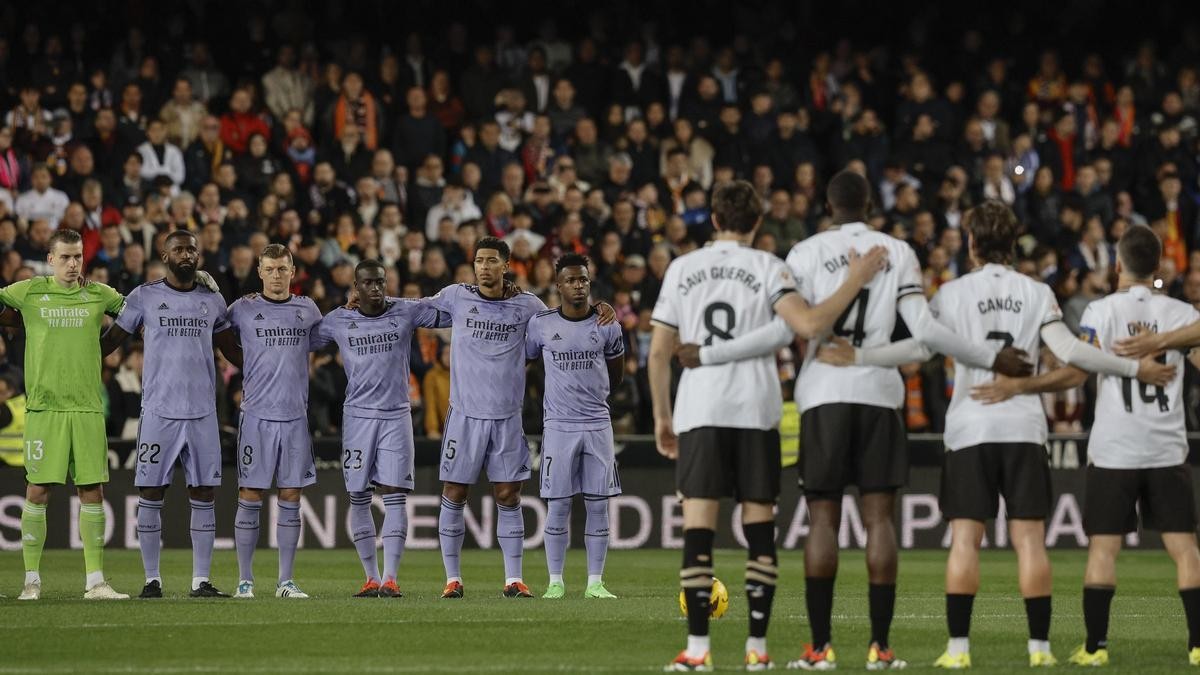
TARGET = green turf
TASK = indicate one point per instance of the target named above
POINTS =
(485, 633)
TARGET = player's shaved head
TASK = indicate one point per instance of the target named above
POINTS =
(175, 234)
(848, 192)
(1139, 251)
(993, 227)
(736, 207)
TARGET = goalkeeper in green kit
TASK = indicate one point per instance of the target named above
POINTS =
(64, 430)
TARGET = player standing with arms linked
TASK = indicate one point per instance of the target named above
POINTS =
(583, 360)
(181, 320)
(274, 329)
(375, 339)
(723, 427)
(851, 430)
(64, 428)
(998, 450)
(1137, 449)
(487, 391)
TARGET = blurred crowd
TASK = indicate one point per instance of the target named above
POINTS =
(410, 148)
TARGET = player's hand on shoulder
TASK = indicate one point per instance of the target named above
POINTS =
(998, 390)
(351, 299)
(1012, 362)
(864, 267)
(206, 280)
(837, 351)
(606, 313)
(1142, 344)
(1154, 372)
(511, 290)
(688, 355)
(665, 439)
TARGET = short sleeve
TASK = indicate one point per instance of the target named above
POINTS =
(800, 264)
(908, 274)
(1089, 325)
(132, 313)
(533, 341)
(1050, 309)
(780, 281)
(444, 299)
(666, 309)
(429, 316)
(614, 346)
(222, 322)
(13, 295)
(113, 300)
(322, 333)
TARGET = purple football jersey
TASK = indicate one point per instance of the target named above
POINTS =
(375, 351)
(487, 350)
(575, 355)
(275, 337)
(179, 377)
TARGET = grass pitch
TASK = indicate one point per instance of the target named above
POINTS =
(484, 633)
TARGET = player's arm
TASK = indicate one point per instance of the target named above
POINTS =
(1074, 352)
(114, 337)
(1003, 388)
(1152, 343)
(816, 320)
(9, 317)
(662, 344)
(762, 341)
(839, 352)
(914, 309)
(231, 348)
(12, 298)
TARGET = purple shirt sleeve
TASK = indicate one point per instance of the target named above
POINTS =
(131, 316)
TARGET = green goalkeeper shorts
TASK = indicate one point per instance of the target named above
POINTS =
(61, 443)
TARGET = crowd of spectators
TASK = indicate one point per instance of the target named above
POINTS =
(409, 151)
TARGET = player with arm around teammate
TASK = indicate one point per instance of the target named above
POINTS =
(274, 329)
(374, 338)
(851, 428)
(64, 430)
(181, 320)
(1137, 448)
(999, 450)
(582, 361)
(722, 429)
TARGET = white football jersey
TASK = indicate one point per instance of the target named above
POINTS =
(1004, 308)
(1137, 426)
(819, 264)
(718, 293)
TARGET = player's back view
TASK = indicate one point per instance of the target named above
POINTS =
(726, 415)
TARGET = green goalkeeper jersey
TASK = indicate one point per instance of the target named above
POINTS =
(62, 341)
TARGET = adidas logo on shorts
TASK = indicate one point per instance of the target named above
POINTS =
(472, 311)
(522, 469)
(408, 477)
(309, 474)
(163, 306)
(556, 337)
(258, 317)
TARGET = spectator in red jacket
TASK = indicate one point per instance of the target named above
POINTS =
(239, 124)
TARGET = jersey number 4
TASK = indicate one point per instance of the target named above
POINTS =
(851, 324)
